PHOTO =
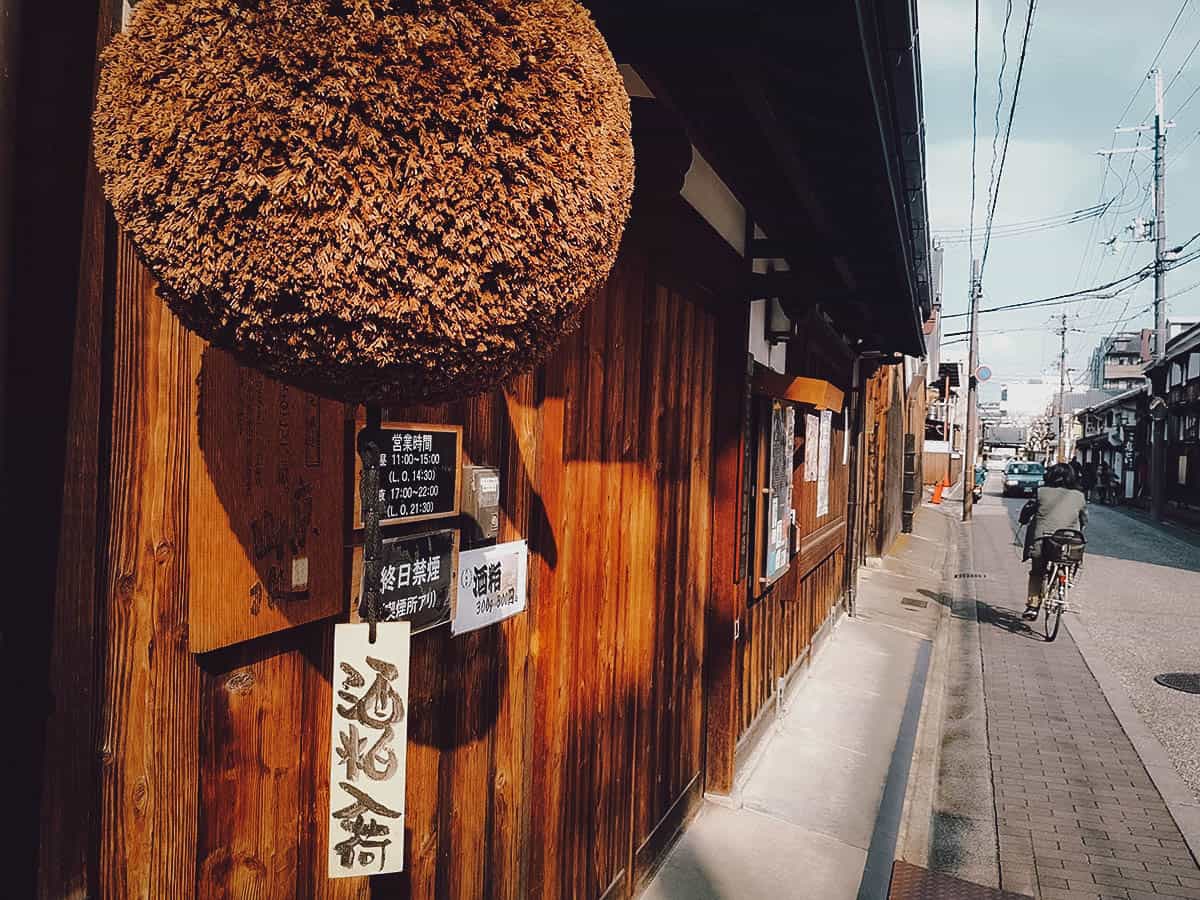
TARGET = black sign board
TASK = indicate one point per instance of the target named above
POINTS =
(416, 577)
(418, 472)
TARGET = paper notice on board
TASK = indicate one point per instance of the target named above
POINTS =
(812, 434)
(369, 735)
(826, 439)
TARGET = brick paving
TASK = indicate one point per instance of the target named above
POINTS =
(1078, 817)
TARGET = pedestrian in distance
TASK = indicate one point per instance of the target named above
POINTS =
(1058, 505)
(1114, 487)
(1103, 481)
(1077, 468)
(1088, 480)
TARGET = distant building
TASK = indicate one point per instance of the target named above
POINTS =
(1108, 434)
(1176, 379)
(1118, 361)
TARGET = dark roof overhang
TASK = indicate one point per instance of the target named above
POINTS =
(812, 114)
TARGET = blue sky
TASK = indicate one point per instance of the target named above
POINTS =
(1085, 60)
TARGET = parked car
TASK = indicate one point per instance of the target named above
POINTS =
(1022, 479)
(997, 460)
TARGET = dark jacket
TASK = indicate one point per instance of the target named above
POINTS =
(1053, 509)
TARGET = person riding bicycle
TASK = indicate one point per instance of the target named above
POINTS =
(1058, 504)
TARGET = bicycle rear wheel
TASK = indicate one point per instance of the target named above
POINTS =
(1054, 608)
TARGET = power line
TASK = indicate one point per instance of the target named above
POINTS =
(1180, 107)
(1018, 229)
(974, 125)
(1088, 247)
(1012, 111)
(999, 104)
(1042, 328)
(1070, 296)
(1170, 31)
(1183, 65)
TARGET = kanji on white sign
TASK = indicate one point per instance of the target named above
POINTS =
(367, 751)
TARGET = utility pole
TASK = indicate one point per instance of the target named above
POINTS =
(1158, 429)
(969, 445)
(1059, 454)
(1160, 219)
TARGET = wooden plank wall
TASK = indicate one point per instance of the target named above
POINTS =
(778, 630)
(884, 437)
(550, 756)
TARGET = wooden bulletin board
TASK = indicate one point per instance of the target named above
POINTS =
(777, 423)
(265, 496)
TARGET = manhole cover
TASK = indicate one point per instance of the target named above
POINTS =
(1180, 681)
(970, 575)
(919, 604)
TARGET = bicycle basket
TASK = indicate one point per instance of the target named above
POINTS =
(1064, 546)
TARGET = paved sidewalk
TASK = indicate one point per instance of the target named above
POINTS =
(817, 813)
(1077, 814)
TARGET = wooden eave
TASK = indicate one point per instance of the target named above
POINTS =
(812, 391)
(811, 114)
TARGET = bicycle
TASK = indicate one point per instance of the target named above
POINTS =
(1063, 552)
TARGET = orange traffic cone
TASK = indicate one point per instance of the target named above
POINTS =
(937, 490)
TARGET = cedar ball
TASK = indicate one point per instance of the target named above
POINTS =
(377, 200)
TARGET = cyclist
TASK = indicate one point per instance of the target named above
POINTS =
(1058, 504)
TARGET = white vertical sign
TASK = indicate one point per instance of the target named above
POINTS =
(823, 465)
(491, 585)
(369, 732)
(845, 435)
(812, 432)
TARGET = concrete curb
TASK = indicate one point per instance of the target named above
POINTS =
(964, 840)
(916, 827)
(1175, 793)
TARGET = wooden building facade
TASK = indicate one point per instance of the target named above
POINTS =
(180, 684)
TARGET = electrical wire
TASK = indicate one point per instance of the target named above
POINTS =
(1170, 31)
(960, 234)
(1008, 8)
(1086, 293)
(1088, 247)
(1189, 99)
(1183, 65)
(974, 126)
(1012, 111)
(1118, 287)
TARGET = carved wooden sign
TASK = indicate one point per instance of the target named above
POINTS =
(265, 483)
(368, 738)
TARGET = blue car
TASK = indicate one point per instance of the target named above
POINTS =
(1022, 479)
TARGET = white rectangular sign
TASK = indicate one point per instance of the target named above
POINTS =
(491, 585)
(812, 432)
(845, 435)
(369, 736)
(823, 465)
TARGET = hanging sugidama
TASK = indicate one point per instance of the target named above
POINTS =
(373, 199)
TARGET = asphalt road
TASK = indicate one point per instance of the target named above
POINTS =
(1139, 597)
